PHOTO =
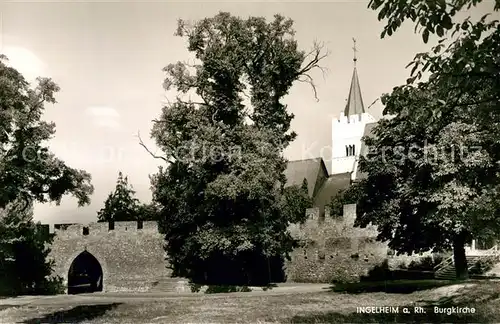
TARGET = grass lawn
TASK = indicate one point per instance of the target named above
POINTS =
(395, 287)
(318, 307)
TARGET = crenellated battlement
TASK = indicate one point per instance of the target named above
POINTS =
(102, 227)
(363, 118)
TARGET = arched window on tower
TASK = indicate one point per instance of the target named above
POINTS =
(350, 150)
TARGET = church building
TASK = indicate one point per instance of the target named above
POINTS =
(347, 132)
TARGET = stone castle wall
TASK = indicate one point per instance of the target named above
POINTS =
(334, 249)
(131, 259)
(134, 259)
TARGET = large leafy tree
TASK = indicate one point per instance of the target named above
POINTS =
(429, 16)
(122, 205)
(433, 178)
(28, 170)
(29, 173)
(347, 196)
(225, 210)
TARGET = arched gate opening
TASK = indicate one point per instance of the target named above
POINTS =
(85, 274)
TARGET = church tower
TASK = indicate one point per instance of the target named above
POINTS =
(348, 129)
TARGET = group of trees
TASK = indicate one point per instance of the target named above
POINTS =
(121, 205)
(419, 202)
(221, 198)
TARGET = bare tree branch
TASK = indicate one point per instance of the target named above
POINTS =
(141, 143)
(317, 55)
(158, 121)
(374, 101)
(308, 79)
(189, 102)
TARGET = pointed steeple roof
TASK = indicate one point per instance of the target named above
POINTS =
(355, 101)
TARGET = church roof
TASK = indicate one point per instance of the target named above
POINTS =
(355, 101)
(309, 169)
(321, 187)
(331, 187)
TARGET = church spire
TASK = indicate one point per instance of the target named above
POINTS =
(354, 50)
(355, 101)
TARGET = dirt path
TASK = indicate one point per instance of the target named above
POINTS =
(107, 297)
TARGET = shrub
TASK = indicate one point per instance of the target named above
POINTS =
(380, 272)
(215, 289)
(195, 288)
(52, 286)
(426, 263)
(482, 265)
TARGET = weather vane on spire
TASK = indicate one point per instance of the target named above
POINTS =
(355, 50)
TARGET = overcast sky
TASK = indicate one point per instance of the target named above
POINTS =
(107, 59)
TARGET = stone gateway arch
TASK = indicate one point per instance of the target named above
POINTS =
(85, 274)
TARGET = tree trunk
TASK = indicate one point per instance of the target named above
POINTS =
(461, 267)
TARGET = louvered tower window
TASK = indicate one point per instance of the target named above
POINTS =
(350, 150)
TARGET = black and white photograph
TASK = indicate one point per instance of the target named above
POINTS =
(250, 161)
